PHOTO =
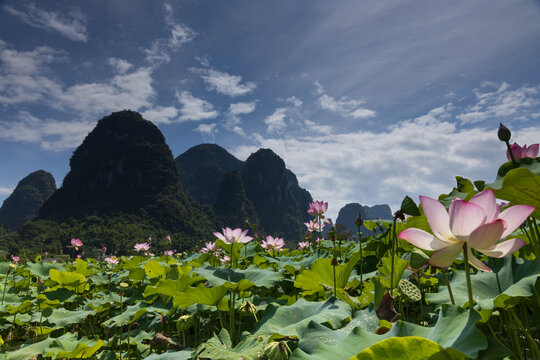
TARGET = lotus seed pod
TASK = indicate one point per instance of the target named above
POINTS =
(410, 290)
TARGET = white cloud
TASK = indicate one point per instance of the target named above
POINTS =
(5, 190)
(344, 106)
(242, 108)
(295, 101)
(160, 49)
(50, 134)
(119, 66)
(195, 109)
(161, 114)
(414, 157)
(501, 101)
(71, 26)
(276, 121)
(206, 129)
(224, 83)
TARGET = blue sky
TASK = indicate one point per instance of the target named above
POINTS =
(366, 101)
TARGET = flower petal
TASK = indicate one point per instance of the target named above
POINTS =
(487, 201)
(502, 249)
(532, 151)
(437, 217)
(515, 216)
(486, 236)
(422, 239)
(465, 217)
(220, 236)
(477, 263)
(445, 257)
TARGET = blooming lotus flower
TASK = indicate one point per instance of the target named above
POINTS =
(272, 243)
(524, 151)
(141, 247)
(314, 226)
(210, 246)
(112, 260)
(477, 222)
(317, 208)
(15, 258)
(168, 252)
(76, 243)
(230, 236)
(225, 259)
(303, 245)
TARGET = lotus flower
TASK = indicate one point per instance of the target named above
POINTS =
(230, 236)
(524, 151)
(478, 222)
(303, 245)
(225, 259)
(168, 252)
(210, 246)
(76, 243)
(112, 260)
(317, 208)
(15, 258)
(272, 243)
(141, 247)
(314, 226)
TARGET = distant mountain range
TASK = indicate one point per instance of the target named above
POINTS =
(348, 214)
(124, 185)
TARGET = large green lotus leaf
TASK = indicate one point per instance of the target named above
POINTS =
(62, 317)
(66, 278)
(127, 316)
(82, 267)
(42, 269)
(520, 185)
(154, 268)
(73, 349)
(220, 347)
(30, 351)
(320, 277)
(169, 287)
(185, 354)
(516, 279)
(410, 347)
(260, 277)
(291, 320)
(297, 262)
(212, 296)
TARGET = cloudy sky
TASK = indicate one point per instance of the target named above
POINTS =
(366, 101)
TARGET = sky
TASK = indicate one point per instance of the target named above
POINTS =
(365, 100)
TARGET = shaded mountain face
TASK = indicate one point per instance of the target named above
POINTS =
(124, 166)
(26, 200)
(266, 185)
(202, 168)
(232, 204)
(347, 216)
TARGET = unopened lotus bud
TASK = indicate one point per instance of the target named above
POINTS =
(504, 133)
(399, 215)
(358, 220)
(246, 224)
(334, 262)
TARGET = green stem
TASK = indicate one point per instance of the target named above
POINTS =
(5, 286)
(534, 237)
(232, 247)
(532, 344)
(468, 275)
(335, 292)
(393, 236)
(510, 152)
(232, 331)
(448, 285)
(361, 258)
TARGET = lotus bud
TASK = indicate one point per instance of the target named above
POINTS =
(399, 215)
(358, 220)
(504, 133)
(246, 224)
(334, 262)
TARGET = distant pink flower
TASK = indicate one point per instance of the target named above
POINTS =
(112, 260)
(317, 208)
(53, 261)
(314, 226)
(141, 247)
(272, 243)
(303, 245)
(168, 252)
(477, 222)
(210, 246)
(104, 249)
(15, 258)
(225, 259)
(524, 151)
(168, 238)
(230, 236)
(150, 254)
(76, 243)
(79, 256)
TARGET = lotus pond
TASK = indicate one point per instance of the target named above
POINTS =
(453, 278)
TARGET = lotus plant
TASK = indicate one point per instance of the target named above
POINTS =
(478, 224)
(141, 247)
(112, 260)
(230, 236)
(303, 245)
(317, 208)
(273, 244)
(76, 243)
(524, 151)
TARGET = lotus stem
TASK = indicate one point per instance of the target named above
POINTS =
(5, 286)
(232, 247)
(507, 142)
(448, 285)
(361, 258)
(468, 275)
(392, 238)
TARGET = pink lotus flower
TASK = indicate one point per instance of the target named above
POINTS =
(272, 243)
(317, 208)
(210, 246)
(303, 245)
(15, 259)
(478, 222)
(230, 236)
(314, 226)
(169, 240)
(112, 260)
(524, 151)
(141, 247)
(104, 249)
(225, 259)
(168, 252)
(76, 243)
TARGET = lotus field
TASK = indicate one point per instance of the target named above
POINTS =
(448, 278)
